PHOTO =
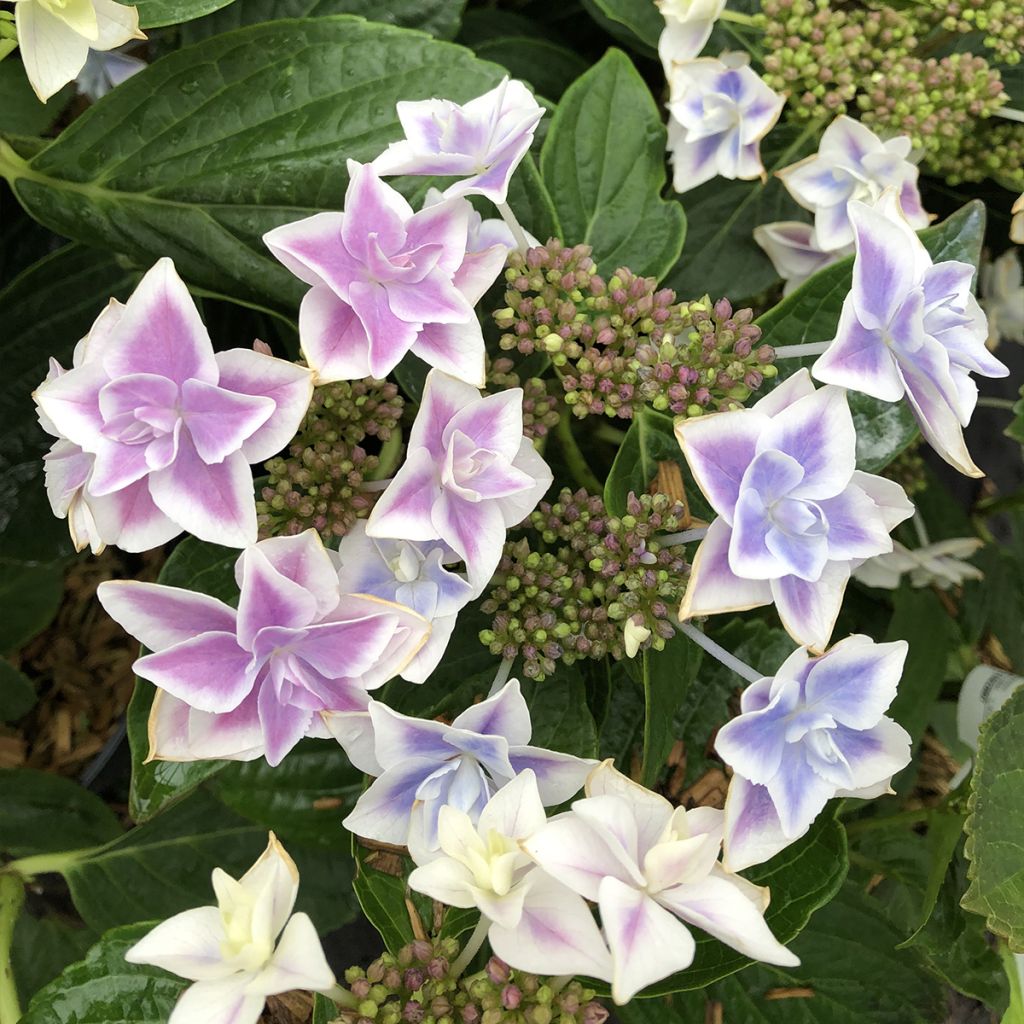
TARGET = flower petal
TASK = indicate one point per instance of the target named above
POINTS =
(798, 792)
(268, 598)
(382, 812)
(188, 944)
(283, 724)
(443, 397)
(220, 421)
(809, 610)
(858, 358)
(559, 776)
(404, 509)
(753, 833)
(515, 810)
(569, 849)
(51, 50)
(493, 422)
(332, 337)
(297, 963)
(873, 755)
(503, 714)
(130, 518)
(218, 1002)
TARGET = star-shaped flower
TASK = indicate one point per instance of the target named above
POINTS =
(794, 514)
(793, 248)
(939, 565)
(910, 327)
(815, 730)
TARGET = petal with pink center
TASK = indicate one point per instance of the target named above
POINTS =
(209, 672)
(569, 849)
(404, 509)
(268, 598)
(130, 519)
(346, 649)
(71, 402)
(516, 507)
(234, 736)
(388, 335)
(456, 349)
(475, 530)
(304, 560)
(373, 208)
(160, 332)
(494, 422)
(117, 466)
(312, 249)
(216, 503)
(332, 337)
(283, 724)
(159, 616)
(446, 224)
(443, 396)
(220, 421)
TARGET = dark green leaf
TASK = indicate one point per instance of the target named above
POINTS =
(604, 164)
(155, 13)
(17, 694)
(558, 709)
(29, 598)
(995, 827)
(380, 886)
(636, 23)
(438, 17)
(106, 989)
(668, 678)
(324, 1010)
(42, 948)
(21, 113)
(549, 68)
(46, 813)
(233, 136)
(623, 730)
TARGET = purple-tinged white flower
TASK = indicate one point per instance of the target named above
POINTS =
(410, 574)
(793, 248)
(911, 327)
(246, 948)
(650, 868)
(422, 766)
(794, 514)
(481, 142)
(469, 475)
(483, 234)
(105, 70)
(536, 923)
(815, 730)
(1002, 298)
(688, 25)
(386, 281)
(720, 111)
(239, 684)
(939, 565)
(163, 429)
(1017, 220)
(852, 162)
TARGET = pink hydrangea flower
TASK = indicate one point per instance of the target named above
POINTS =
(157, 431)
(469, 475)
(386, 281)
(241, 684)
(482, 141)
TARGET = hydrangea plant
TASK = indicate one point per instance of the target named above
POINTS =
(557, 495)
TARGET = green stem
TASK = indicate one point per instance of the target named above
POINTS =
(341, 996)
(48, 863)
(913, 817)
(606, 432)
(390, 452)
(581, 472)
(738, 18)
(471, 948)
(997, 403)
(12, 895)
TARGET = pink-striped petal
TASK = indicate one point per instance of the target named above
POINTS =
(220, 421)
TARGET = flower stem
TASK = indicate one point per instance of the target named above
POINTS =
(557, 984)
(12, 895)
(501, 676)
(514, 226)
(921, 530)
(581, 472)
(375, 485)
(738, 18)
(730, 661)
(996, 403)
(813, 348)
(390, 453)
(47, 863)
(471, 948)
(668, 539)
(1010, 113)
(341, 996)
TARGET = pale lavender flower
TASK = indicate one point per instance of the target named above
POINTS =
(794, 514)
(481, 142)
(240, 684)
(483, 234)
(720, 111)
(1002, 298)
(793, 248)
(911, 327)
(688, 25)
(469, 475)
(536, 923)
(852, 162)
(411, 574)
(105, 70)
(386, 281)
(815, 730)
(167, 426)
(246, 948)
(422, 766)
(939, 565)
(650, 867)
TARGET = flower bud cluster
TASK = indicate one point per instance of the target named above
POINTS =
(618, 343)
(994, 149)
(571, 594)
(540, 409)
(417, 987)
(319, 483)
(908, 470)
(1002, 21)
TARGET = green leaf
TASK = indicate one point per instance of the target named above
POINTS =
(157, 13)
(17, 694)
(649, 440)
(549, 68)
(637, 23)
(45, 813)
(720, 257)
(236, 135)
(21, 113)
(382, 892)
(206, 568)
(106, 989)
(324, 1010)
(30, 596)
(559, 713)
(46, 309)
(604, 164)
(995, 827)
(438, 17)
(43, 947)
(668, 678)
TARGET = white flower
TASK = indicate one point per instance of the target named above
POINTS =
(229, 950)
(633, 636)
(55, 37)
(1002, 291)
(793, 248)
(688, 25)
(852, 162)
(536, 923)
(941, 564)
(1017, 224)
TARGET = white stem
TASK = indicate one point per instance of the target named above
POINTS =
(514, 226)
(1010, 114)
(501, 678)
(813, 348)
(921, 530)
(730, 661)
(375, 485)
(471, 948)
(668, 539)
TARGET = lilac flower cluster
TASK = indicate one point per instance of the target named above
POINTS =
(598, 574)
(540, 408)
(319, 484)
(418, 986)
(619, 343)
